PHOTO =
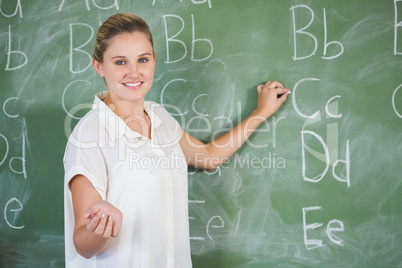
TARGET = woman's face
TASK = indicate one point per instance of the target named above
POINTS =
(128, 67)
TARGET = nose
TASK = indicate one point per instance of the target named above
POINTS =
(132, 70)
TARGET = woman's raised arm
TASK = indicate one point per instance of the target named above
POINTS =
(211, 155)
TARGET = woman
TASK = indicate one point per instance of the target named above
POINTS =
(119, 211)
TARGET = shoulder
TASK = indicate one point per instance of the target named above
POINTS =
(161, 117)
(87, 128)
(89, 125)
(155, 107)
(159, 111)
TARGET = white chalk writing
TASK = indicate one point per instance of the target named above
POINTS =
(15, 52)
(302, 31)
(173, 39)
(397, 26)
(11, 202)
(78, 49)
(332, 226)
(18, 9)
(115, 4)
(399, 114)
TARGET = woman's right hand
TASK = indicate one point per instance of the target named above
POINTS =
(104, 219)
(95, 220)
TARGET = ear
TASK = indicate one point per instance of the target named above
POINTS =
(98, 67)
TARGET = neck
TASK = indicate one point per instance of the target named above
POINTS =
(125, 108)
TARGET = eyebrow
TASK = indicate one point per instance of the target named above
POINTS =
(141, 55)
(145, 54)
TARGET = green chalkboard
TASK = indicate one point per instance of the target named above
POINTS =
(318, 185)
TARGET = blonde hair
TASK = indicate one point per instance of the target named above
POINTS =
(118, 24)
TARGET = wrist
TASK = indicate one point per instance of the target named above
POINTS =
(259, 116)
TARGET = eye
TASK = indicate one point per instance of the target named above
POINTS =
(120, 62)
(143, 60)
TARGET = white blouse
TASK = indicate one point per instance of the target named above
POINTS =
(145, 178)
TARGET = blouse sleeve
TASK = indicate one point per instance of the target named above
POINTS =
(87, 161)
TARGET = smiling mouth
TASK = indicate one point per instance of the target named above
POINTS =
(132, 84)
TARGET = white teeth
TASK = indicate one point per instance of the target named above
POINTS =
(132, 84)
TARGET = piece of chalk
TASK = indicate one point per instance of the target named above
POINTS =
(280, 95)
